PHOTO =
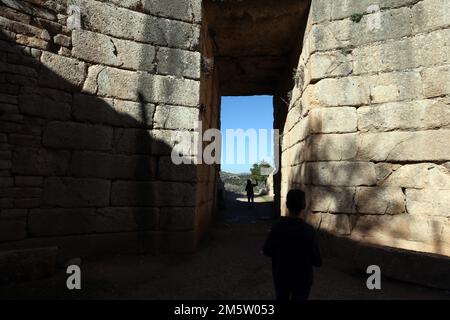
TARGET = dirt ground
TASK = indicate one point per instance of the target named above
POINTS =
(228, 265)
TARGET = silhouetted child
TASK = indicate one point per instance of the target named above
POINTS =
(293, 246)
(250, 192)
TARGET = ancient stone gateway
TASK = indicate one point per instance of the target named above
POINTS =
(91, 93)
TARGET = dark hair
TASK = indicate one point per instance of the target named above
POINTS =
(249, 182)
(295, 201)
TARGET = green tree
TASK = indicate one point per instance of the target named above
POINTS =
(260, 171)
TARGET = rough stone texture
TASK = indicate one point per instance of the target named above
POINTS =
(54, 222)
(104, 165)
(414, 115)
(332, 199)
(418, 176)
(333, 120)
(45, 103)
(120, 219)
(43, 162)
(61, 72)
(330, 64)
(131, 25)
(118, 113)
(71, 192)
(146, 87)
(404, 146)
(113, 52)
(341, 173)
(366, 133)
(428, 202)
(183, 10)
(345, 33)
(69, 135)
(180, 63)
(174, 117)
(436, 81)
(126, 193)
(332, 147)
(167, 170)
(90, 117)
(337, 92)
(380, 200)
(404, 54)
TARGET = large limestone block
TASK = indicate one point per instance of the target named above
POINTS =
(422, 50)
(332, 147)
(44, 162)
(332, 199)
(380, 200)
(393, 230)
(419, 176)
(436, 81)
(61, 72)
(395, 86)
(121, 219)
(139, 86)
(45, 103)
(118, 113)
(176, 117)
(430, 15)
(340, 224)
(126, 24)
(156, 142)
(340, 9)
(70, 135)
(407, 115)
(333, 120)
(179, 63)
(405, 146)
(189, 10)
(71, 192)
(167, 170)
(53, 222)
(299, 132)
(294, 115)
(429, 201)
(112, 166)
(394, 24)
(349, 91)
(98, 48)
(156, 193)
(341, 173)
(329, 64)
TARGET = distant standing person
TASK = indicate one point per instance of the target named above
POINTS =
(293, 246)
(250, 192)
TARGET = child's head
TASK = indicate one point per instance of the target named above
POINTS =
(295, 201)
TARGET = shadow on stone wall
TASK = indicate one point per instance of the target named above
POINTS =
(98, 180)
(342, 215)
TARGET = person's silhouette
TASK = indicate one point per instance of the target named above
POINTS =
(250, 192)
(293, 246)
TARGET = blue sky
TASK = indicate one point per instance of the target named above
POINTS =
(249, 112)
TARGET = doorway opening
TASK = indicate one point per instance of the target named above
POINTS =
(250, 49)
(248, 158)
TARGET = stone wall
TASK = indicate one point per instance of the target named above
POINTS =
(87, 120)
(368, 126)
